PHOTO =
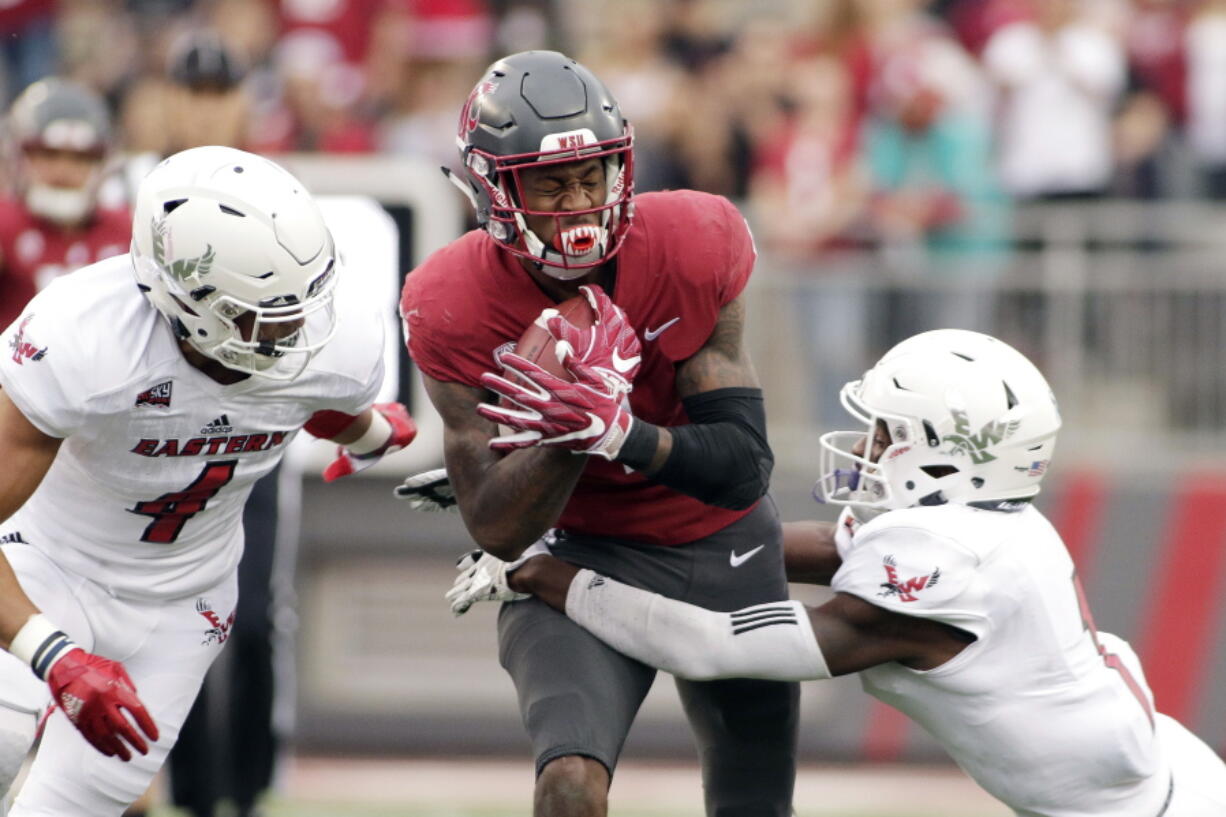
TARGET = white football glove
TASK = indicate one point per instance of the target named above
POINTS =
(428, 491)
(483, 577)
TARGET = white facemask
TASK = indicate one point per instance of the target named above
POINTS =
(63, 205)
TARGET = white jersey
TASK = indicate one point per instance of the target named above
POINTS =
(1032, 710)
(147, 491)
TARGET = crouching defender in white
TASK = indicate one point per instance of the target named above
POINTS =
(956, 601)
(136, 412)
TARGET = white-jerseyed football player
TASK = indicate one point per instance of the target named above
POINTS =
(140, 398)
(955, 599)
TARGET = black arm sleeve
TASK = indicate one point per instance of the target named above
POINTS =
(721, 458)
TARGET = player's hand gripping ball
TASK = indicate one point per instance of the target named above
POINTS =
(573, 394)
(538, 346)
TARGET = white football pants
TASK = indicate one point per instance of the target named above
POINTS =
(1200, 775)
(166, 646)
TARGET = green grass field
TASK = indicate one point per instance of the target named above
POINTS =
(279, 807)
(332, 787)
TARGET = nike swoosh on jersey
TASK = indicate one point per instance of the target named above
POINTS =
(652, 334)
(623, 365)
(737, 561)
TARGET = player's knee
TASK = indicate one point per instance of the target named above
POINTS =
(572, 786)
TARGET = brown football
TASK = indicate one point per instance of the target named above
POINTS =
(537, 345)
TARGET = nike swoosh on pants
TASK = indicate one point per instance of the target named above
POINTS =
(737, 560)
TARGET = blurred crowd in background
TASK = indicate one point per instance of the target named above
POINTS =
(833, 122)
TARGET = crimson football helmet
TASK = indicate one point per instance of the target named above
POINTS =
(541, 108)
(57, 116)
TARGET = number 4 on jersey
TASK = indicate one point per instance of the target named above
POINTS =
(171, 511)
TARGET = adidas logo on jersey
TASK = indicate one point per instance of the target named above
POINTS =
(219, 425)
(158, 396)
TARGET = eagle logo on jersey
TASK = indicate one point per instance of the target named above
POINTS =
(907, 589)
(23, 350)
(976, 445)
(183, 268)
(218, 630)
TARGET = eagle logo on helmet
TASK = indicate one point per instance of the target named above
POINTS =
(469, 114)
(976, 445)
(184, 268)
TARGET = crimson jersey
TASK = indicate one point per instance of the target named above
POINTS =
(686, 256)
(33, 252)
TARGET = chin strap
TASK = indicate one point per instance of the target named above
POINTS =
(464, 186)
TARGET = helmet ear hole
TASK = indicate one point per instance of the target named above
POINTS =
(938, 471)
(185, 307)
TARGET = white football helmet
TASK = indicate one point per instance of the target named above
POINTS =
(219, 233)
(970, 420)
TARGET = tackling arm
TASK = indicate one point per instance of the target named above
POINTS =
(809, 552)
(780, 640)
(507, 502)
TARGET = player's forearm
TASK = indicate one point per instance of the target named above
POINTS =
(517, 499)
(809, 552)
(773, 641)
(15, 607)
(546, 577)
(27, 454)
(721, 458)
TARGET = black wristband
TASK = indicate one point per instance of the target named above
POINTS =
(639, 448)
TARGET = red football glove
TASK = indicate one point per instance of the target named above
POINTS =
(610, 348)
(585, 416)
(94, 692)
(402, 433)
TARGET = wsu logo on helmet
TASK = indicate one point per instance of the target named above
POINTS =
(469, 114)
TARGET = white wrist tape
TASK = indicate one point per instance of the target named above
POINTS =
(374, 438)
(40, 644)
(773, 641)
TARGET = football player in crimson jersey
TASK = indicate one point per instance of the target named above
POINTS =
(61, 135)
(955, 599)
(652, 465)
(140, 399)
